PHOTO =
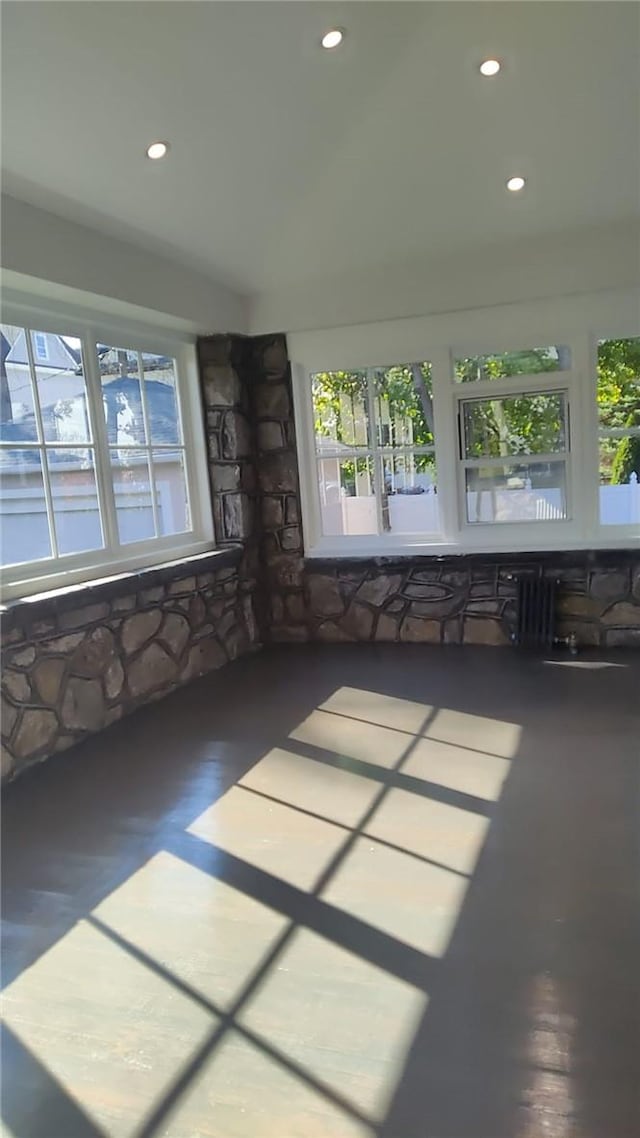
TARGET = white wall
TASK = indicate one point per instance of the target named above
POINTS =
(46, 248)
(590, 260)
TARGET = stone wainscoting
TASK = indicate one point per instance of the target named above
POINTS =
(471, 599)
(75, 662)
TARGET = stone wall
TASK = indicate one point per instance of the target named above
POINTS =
(73, 664)
(254, 473)
(471, 599)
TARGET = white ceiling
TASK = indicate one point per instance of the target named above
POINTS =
(289, 163)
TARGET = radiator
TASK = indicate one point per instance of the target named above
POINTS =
(536, 611)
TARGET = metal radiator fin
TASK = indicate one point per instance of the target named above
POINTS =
(536, 611)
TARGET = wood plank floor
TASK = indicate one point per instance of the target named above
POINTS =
(334, 892)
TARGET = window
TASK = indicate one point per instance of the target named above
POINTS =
(375, 451)
(95, 467)
(619, 431)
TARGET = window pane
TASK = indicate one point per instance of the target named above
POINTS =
(411, 500)
(121, 396)
(523, 424)
(75, 500)
(61, 388)
(162, 401)
(530, 361)
(404, 405)
(340, 410)
(132, 492)
(620, 481)
(171, 491)
(532, 492)
(619, 383)
(24, 529)
(17, 415)
(347, 496)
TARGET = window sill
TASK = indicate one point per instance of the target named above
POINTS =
(37, 605)
(321, 561)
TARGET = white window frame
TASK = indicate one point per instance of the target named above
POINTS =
(575, 322)
(114, 558)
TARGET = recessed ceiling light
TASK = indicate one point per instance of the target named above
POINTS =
(332, 38)
(515, 184)
(490, 67)
(157, 150)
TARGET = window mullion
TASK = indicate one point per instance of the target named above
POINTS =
(46, 481)
(147, 435)
(102, 454)
(378, 470)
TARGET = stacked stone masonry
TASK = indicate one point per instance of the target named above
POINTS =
(74, 671)
(472, 600)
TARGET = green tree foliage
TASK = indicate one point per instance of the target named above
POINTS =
(627, 457)
(619, 407)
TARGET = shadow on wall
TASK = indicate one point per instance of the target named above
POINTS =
(405, 857)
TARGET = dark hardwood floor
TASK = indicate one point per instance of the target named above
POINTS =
(376, 891)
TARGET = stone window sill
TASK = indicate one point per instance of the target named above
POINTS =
(41, 605)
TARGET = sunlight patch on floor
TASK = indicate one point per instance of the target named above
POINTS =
(106, 1013)
(337, 794)
(346, 1021)
(435, 830)
(493, 736)
(378, 708)
(382, 746)
(458, 768)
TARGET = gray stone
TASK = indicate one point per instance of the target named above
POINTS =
(93, 655)
(417, 630)
(175, 633)
(292, 511)
(425, 576)
(153, 669)
(274, 360)
(139, 628)
(83, 705)
(480, 631)
(635, 587)
(453, 631)
(206, 630)
(272, 401)
(65, 644)
(248, 478)
(418, 592)
(183, 587)
(484, 608)
(79, 618)
(213, 448)
(622, 638)
(47, 676)
(113, 679)
(9, 716)
(609, 584)
(36, 732)
(358, 622)
(197, 610)
(205, 657)
(113, 714)
(330, 632)
(63, 742)
(295, 608)
(377, 589)
(236, 436)
(123, 604)
(270, 436)
(386, 628)
(152, 596)
(238, 516)
(287, 572)
(24, 657)
(576, 605)
(289, 634)
(435, 610)
(291, 538)
(225, 476)
(486, 590)
(16, 685)
(272, 513)
(277, 609)
(44, 628)
(324, 595)
(623, 613)
(221, 386)
(278, 473)
(6, 763)
(458, 578)
(396, 605)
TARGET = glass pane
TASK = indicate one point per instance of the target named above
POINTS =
(404, 405)
(340, 410)
(620, 481)
(121, 396)
(531, 492)
(171, 491)
(519, 424)
(132, 492)
(61, 388)
(411, 501)
(24, 529)
(17, 414)
(347, 496)
(530, 361)
(619, 383)
(74, 495)
(162, 400)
